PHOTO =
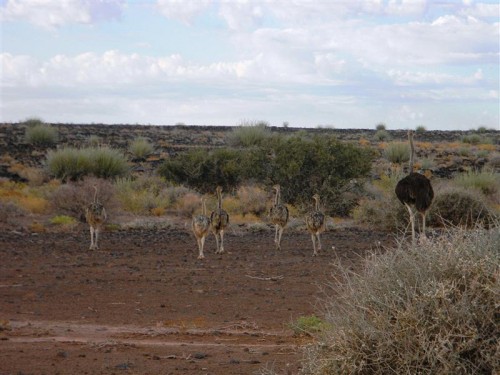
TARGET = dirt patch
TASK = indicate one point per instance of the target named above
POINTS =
(144, 304)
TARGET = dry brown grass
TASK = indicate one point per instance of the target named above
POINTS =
(427, 309)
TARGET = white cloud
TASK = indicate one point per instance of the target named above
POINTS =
(57, 13)
(183, 10)
(407, 78)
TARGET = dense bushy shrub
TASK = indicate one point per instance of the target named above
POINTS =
(460, 207)
(301, 166)
(72, 164)
(40, 134)
(423, 309)
(203, 171)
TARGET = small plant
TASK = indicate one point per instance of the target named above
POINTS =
(141, 148)
(382, 135)
(94, 141)
(250, 134)
(473, 139)
(397, 152)
(307, 325)
(40, 134)
(420, 129)
(63, 220)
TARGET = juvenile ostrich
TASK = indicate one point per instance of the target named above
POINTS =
(201, 226)
(279, 216)
(95, 214)
(315, 223)
(415, 190)
(219, 220)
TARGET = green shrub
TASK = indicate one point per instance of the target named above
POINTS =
(427, 309)
(72, 164)
(302, 166)
(107, 162)
(143, 195)
(420, 129)
(382, 135)
(249, 134)
(40, 134)
(63, 220)
(380, 126)
(473, 139)
(203, 171)
(397, 152)
(141, 148)
(487, 182)
(308, 325)
(380, 208)
(459, 207)
(68, 163)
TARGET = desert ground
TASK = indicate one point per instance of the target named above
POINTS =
(144, 304)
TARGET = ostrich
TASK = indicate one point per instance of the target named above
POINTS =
(279, 216)
(95, 214)
(315, 223)
(415, 190)
(219, 220)
(201, 226)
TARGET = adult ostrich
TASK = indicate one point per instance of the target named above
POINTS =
(415, 190)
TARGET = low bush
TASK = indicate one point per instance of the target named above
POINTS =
(380, 208)
(40, 134)
(486, 181)
(460, 207)
(397, 152)
(249, 134)
(72, 164)
(427, 309)
(72, 198)
(382, 135)
(141, 148)
(307, 325)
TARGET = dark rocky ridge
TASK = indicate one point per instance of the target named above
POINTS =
(170, 140)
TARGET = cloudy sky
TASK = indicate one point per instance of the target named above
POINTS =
(337, 63)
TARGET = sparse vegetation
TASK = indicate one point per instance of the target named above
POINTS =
(397, 152)
(141, 148)
(420, 129)
(382, 135)
(307, 325)
(40, 134)
(428, 309)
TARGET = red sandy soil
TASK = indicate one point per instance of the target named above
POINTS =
(144, 304)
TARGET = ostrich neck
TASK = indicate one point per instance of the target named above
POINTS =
(317, 204)
(219, 200)
(412, 153)
(277, 198)
(203, 207)
(95, 195)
